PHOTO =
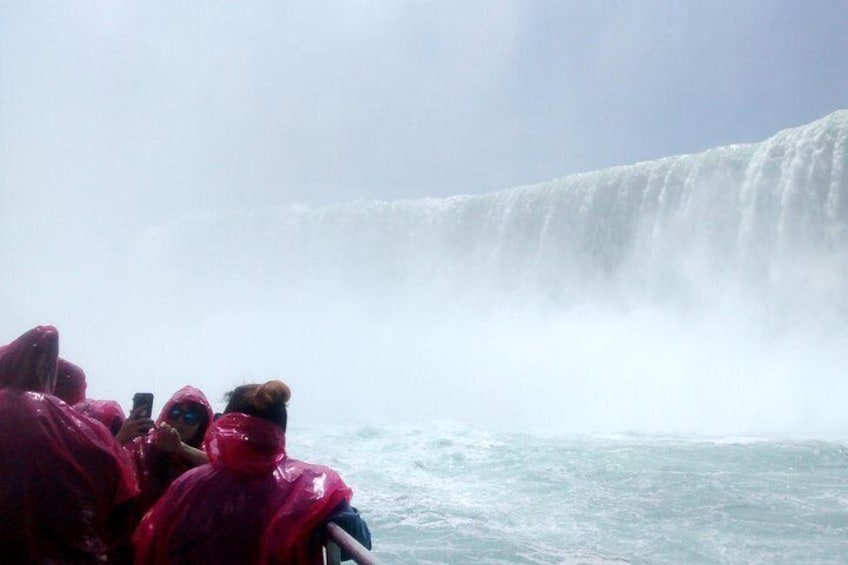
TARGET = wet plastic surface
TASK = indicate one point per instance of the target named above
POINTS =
(62, 474)
(258, 504)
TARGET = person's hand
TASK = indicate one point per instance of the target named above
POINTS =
(167, 439)
(136, 425)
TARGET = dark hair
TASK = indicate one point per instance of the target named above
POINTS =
(267, 401)
(115, 426)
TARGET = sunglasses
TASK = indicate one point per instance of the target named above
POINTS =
(190, 416)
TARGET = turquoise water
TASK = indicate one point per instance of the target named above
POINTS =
(454, 495)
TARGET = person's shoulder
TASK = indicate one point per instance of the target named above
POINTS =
(307, 466)
(88, 440)
(77, 423)
(193, 482)
(196, 475)
(296, 467)
(292, 470)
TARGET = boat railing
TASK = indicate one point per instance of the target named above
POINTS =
(338, 540)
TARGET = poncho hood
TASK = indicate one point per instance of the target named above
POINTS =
(70, 382)
(189, 394)
(107, 412)
(29, 362)
(245, 444)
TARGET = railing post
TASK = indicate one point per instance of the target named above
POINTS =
(333, 553)
(338, 539)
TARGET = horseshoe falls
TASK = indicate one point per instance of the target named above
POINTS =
(643, 364)
(694, 294)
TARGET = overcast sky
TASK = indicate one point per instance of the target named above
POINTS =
(141, 108)
(118, 116)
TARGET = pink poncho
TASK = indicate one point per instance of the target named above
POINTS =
(155, 469)
(62, 473)
(251, 504)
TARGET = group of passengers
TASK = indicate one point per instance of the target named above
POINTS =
(80, 483)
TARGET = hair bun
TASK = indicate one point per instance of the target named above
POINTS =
(270, 393)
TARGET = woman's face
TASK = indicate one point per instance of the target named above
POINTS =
(186, 418)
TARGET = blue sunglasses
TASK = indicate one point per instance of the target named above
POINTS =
(190, 416)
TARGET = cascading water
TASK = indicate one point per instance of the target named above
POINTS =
(698, 293)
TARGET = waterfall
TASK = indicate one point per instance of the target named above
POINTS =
(639, 297)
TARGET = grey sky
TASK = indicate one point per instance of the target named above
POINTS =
(147, 107)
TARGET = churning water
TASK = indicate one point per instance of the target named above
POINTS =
(444, 494)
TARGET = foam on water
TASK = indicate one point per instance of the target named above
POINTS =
(450, 494)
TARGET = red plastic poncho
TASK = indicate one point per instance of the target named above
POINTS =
(61, 474)
(252, 504)
(156, 469)
(107, 412)
(70, 382)
(29, 362)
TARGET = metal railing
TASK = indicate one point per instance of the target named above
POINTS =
(337, 540)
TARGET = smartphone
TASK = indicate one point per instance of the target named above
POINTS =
(144, 399)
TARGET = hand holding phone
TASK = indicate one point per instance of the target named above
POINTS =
(139, 422)
(145, 400)
(143, 409)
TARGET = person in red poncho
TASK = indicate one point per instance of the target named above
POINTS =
(172, 447)
(107, 412)
(66, 486)
(252, 503)
(71, 385)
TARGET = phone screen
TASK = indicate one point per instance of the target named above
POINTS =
(144, 399)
